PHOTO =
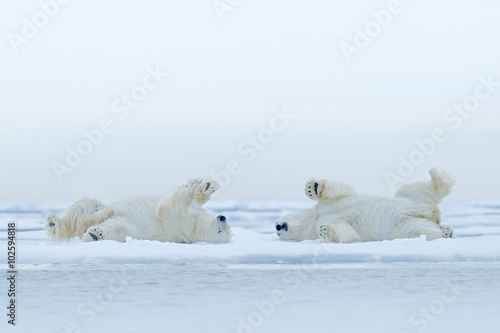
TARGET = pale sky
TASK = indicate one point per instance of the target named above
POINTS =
(347, 118)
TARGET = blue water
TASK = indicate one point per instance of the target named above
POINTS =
(264, 298)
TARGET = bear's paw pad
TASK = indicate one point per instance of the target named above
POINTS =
(448, 232)
(313, 189)
(94, 234)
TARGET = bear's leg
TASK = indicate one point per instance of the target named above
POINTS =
(336, 231)
(428, 194)
(112, 229)
(186, 192)
(181, 197)
(195, 190)
(59, 229)
(417, 227)
(94, 219)
(204, 191)
(326, 190)
(68, 225)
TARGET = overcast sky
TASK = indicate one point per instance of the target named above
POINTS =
(262, 94)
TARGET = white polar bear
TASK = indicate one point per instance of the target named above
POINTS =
(177, 217)
(342, 216)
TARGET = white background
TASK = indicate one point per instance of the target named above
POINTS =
(352, 121)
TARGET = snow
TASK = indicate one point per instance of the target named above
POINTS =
(258, 283)
(254, 242)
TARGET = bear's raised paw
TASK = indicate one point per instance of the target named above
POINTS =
(93, 234)
(313, 189)
(448, 232)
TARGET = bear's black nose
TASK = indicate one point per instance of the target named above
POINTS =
(283, 226)
(221, 218)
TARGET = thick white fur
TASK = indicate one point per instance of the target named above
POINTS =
(176, 217)
(342, 216)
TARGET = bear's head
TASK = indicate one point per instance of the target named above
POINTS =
(297, 226)
(220, 231)
(209, 228)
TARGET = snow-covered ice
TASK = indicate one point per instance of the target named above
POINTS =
(254, 242)
(258, 283)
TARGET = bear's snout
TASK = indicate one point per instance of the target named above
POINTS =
(221, 218)
(282, 226)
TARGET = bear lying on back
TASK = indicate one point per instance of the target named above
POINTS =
(343, 216)
(177, 217)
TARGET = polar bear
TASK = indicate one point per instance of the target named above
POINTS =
(342, 216)
(176, 217)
